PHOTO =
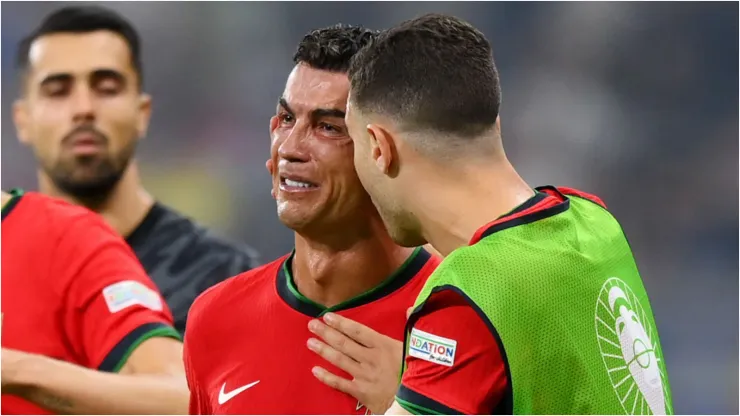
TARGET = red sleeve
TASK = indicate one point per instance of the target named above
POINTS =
(454, 365)
(111, 305)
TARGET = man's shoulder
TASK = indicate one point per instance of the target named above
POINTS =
(60, 225)
(165, 233)
(58, 213)
(235, 292)
(459, 259)
(173, 222)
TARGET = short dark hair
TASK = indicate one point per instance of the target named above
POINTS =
(435, 72)
(84, 19)
(331, 48)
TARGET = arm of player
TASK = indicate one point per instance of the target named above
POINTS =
(129, 357)
(453, 362)
(151, 382)
(397, 409)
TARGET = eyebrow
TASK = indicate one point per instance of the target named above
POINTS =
(96, 75)
(315, 114)
(58, 77)
(108, 73)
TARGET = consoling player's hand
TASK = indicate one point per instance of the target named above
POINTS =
(372, 359)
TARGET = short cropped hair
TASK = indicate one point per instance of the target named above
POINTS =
(332, 48)
(83, 19)
(435, 72)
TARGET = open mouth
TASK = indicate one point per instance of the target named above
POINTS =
(296, 184)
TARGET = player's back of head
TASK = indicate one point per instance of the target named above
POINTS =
(332, 48)
(431, 74)
(83, 19)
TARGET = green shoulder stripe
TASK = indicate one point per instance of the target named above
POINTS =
(415, 409)
(160, 331)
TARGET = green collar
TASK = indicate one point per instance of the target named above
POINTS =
(289, 293)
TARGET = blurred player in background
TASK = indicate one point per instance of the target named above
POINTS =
(82, 111)
(538, 306)
(84, 330)
(245, 348)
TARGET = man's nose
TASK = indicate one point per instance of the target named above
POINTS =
(83, 105)
(295, 147)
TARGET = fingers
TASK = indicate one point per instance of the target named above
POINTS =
(333, 356)
(337, 340)
(409, 311)
(334, 381)
(356, 331)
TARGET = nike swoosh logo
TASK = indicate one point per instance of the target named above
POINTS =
(224, 397)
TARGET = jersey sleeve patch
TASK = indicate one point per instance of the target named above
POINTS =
(122, 295)
(432, 348)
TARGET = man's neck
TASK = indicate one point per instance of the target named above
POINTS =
(125, 207)
(465, 201)
(6, 197)
(329, 277)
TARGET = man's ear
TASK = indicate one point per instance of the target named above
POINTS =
(20, 119)
(145, 115)
(382, 148)
(270, 165)
(273, 124)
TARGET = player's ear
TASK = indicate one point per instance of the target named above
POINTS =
(382, 147)
(145, 114)
(20, 119)
(270, 165)
(273, 124)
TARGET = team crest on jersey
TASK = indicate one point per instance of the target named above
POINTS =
(122, 295)
(629, 348)
(432, 348)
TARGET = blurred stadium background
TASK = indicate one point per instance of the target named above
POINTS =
(635, 102)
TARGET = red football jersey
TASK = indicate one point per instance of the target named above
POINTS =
(72, 289)
(245, 346)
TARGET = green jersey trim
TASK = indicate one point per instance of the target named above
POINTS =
(541, 210)
(288, 291)
(420, 404)
(415, 410)
(117, 357)
(15, 198)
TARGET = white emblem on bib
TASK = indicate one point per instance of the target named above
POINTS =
(629, 349)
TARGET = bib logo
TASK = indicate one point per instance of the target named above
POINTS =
(630, 351)
(432, 348)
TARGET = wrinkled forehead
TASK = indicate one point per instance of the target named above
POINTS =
(79, 54)
(308, 89)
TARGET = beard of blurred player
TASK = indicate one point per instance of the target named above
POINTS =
(314, 182)
(376, 173)
(82, 113)
(88, 177)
